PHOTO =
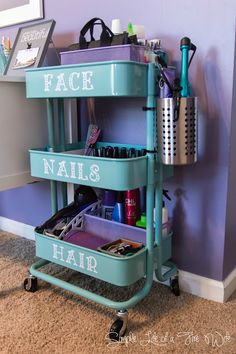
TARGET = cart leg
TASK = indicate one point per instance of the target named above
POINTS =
(30, 284)
(119, 327)
(174, 285)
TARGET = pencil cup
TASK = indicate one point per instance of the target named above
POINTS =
(3, 61)
(7, 53)
(177, 130)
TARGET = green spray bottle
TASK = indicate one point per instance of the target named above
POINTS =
(142, 221)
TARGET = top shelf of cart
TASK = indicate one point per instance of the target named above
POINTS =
(100, 79)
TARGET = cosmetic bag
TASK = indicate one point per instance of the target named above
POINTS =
(108, 47)
(106, 39)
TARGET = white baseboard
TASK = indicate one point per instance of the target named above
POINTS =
(230, 285)
(206, 288)
(209, 289)
(17, 228)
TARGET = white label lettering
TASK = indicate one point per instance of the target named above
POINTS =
(61, 85)
(72, 78)
(75, 259)
(71, 257)
(47, 81)
(62, 169)
(48, 167)
(58, 252)
(87, 84)
(94, 175)
(80, 170)
(81, 260)
(73, 81)
(92, 264)
(72, 170)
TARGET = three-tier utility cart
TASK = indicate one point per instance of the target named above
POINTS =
(56, 163)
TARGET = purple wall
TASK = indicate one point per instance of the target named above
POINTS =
(230, 238)
(29, 204)
(200, 207)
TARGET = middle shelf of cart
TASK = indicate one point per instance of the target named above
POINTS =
(72, 166)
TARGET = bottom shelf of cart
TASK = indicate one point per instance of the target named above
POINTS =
(120, 271)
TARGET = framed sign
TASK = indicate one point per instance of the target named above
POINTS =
(30, 47)
(18, 11)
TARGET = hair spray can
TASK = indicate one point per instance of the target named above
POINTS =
(108, 203)
(132, 206)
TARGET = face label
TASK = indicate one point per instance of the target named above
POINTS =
(79, 81)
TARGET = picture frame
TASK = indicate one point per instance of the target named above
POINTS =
(13, 12)
(30, 47)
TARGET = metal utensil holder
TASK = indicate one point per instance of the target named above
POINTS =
(177, 130)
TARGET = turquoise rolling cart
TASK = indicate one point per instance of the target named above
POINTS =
(112, 79)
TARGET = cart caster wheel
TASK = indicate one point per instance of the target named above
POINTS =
(115, 331)
(174, 286)
(30, 284)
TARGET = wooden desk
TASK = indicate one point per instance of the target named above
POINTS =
(23, 125)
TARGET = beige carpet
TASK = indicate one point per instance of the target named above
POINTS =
(52, 320)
